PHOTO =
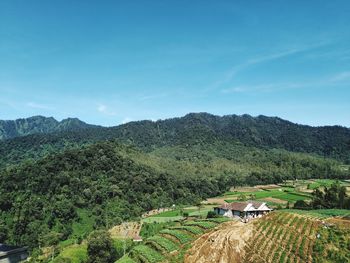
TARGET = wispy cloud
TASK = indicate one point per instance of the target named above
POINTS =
(342, 76)
(105, 110)
(35, 105)
(153, 96)
(337, 80)
(269, 87)
(230, 74)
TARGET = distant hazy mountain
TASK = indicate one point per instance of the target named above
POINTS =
(38, 124)
(193, 129)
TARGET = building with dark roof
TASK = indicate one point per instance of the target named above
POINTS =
(12, 254)
(243, 209)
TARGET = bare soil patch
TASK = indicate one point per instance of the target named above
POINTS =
(342, 222)
(155, 212)
(222, 245)
(126, 230)
(268, 186)
(244, 189)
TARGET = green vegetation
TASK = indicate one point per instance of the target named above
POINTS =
(332, 245)
(145, 253)
(39, 124)
(159, 247)
(277, 235)
(163, 242)
(281, 193)
(59, 186)
(178, 234)
(75, 253)
(102, 178)
(126, 259)
(100, 248)
(334, 196)
(320, 213)
(151, 229)
(192, 229)
(202, 224)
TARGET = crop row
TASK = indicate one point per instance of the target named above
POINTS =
(145, 253)
(163, 242)
(178, 234)
(278, 237)
(202, 224)
(195, 230)
(218, 219)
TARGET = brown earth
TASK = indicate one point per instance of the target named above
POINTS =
(268, 186)
(155, 212)
(244, 189)
(126, 230)
(341, 222)
(222, 245)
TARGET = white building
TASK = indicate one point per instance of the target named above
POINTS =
(243, 209)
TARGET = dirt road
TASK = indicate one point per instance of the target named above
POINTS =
(224, 245)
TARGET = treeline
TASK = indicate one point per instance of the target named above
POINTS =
(334, 196)
(39, 200)
(193, 129)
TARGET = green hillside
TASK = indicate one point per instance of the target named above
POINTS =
(59, 186)
(192, 130)
(39, 124)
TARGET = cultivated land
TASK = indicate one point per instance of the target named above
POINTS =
(225, 244)
(183, 234)
(282, 236)
(276, 195)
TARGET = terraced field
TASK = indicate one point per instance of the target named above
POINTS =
(168, 244)
(282, 237)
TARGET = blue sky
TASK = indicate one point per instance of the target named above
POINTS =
(109, 62)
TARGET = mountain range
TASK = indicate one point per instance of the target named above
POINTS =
(63, 179)
(39, 124)
(194, 128)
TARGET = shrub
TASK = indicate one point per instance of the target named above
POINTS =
(148, 253)
(181, 236)
(212, 214)
(100, 247)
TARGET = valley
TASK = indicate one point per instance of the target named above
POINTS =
(153, 193)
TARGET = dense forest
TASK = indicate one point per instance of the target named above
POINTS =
(48, 179)
(193, 129)
(41, 197)
(39, 124)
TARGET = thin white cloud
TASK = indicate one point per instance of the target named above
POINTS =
(342, 76)
(104, 110)
(152, 97)
(337, 80)
(262, 59)
(35, 105)
(238, 89)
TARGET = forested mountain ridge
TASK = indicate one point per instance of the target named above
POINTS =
(193, 129)
(112, 174)
(38, 124)
(41, 199)
(111, 182)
